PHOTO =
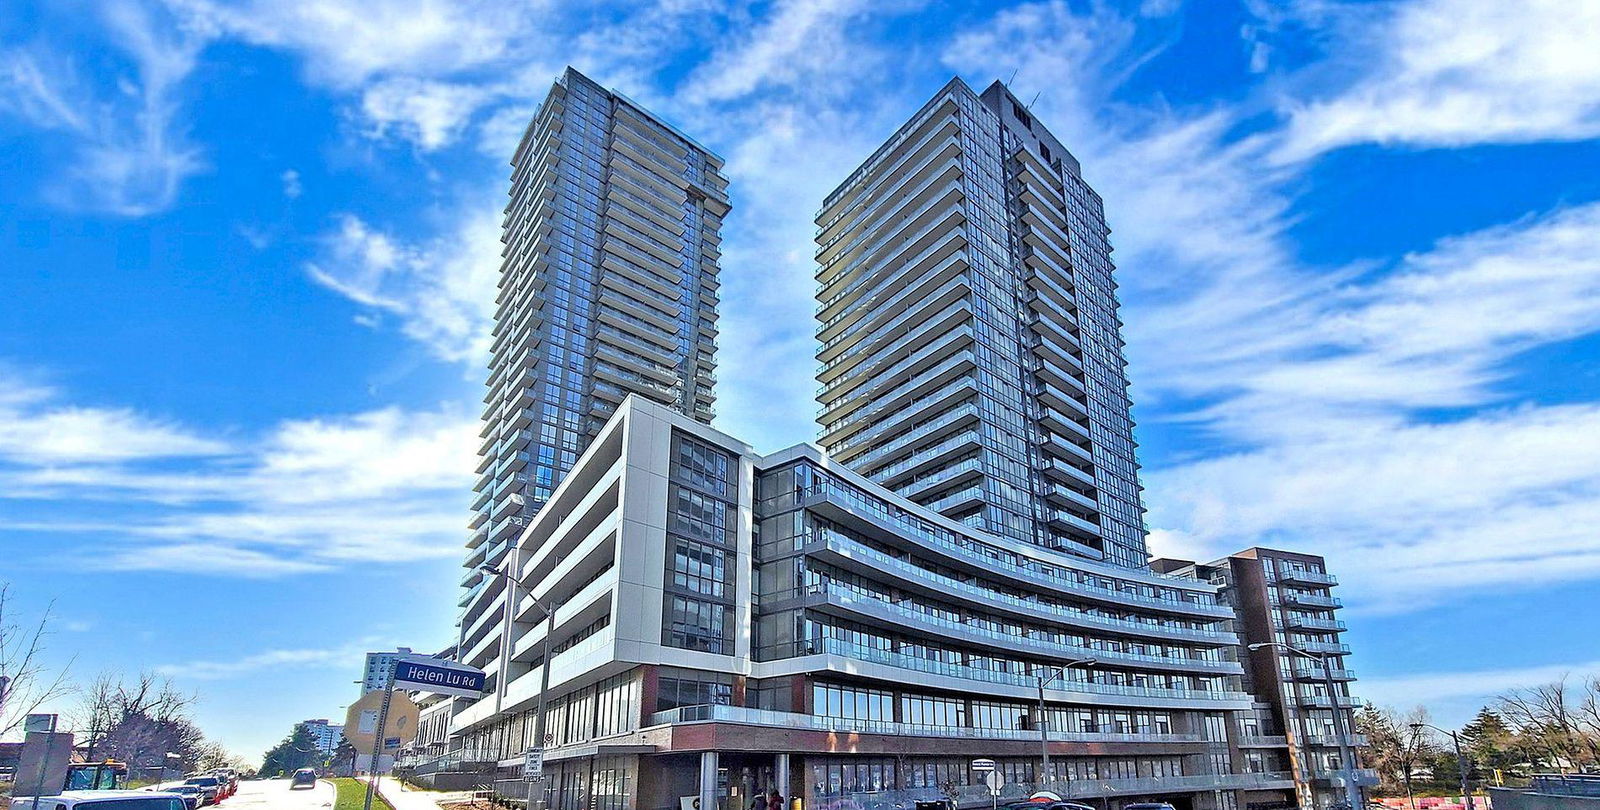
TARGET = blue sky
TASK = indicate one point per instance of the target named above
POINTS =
(248, 253)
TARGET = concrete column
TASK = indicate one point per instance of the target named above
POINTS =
(708, 780)
(780, 776)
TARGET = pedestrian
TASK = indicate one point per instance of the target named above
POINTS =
(775, 801)
(760, 802)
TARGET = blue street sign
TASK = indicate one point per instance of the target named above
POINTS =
(431, 676)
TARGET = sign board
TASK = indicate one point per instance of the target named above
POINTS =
(995, 780)
(42, 769)
(688, 803)
(533, 765)
(435, 675)
(983, 764)
(361, 721)
(39, 724)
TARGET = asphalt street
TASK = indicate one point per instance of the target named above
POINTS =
(274, 794)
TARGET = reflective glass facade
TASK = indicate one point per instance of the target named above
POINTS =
(971, 357)
(608, 287)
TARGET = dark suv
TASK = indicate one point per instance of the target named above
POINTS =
(305, 777)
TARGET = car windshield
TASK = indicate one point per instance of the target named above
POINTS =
(137, 803)
(204, 780)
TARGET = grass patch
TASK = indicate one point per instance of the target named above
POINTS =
(352, 795)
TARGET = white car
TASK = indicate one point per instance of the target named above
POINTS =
(103, 800)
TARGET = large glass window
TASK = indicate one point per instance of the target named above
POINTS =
(690, 687)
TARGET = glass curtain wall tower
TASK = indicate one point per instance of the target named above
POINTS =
(608, 287)
(970, 353)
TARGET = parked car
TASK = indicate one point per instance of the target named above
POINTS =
(305, 777)
(104, 800)
(192, 795)
(1037, 804)
(210, 785)
(1148, 806)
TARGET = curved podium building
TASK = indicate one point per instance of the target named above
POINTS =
(962, 578)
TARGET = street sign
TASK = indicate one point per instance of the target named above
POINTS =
(39, 724)
(361, 722)
(533, 765)
(983, 765)
(436, 675)
(995, 780)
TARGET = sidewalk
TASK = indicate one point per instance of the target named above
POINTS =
(405, 799)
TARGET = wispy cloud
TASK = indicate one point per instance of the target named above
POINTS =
(313, 495)
(441, 290)
(1454, 72)
(129, 153)
(1324, 381)
(1480, 685)
(344, 657)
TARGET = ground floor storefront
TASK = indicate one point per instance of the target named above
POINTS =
(755, 780)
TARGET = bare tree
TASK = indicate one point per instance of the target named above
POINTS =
(26, 682)
(1396, 746)
(140, 721)
(1557, 722)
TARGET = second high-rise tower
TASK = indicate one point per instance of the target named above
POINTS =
(970, 347)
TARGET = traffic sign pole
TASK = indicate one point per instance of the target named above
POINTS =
(377, 749)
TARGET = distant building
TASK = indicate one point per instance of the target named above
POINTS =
(376, 673)
(325, 733)
(1285, 597)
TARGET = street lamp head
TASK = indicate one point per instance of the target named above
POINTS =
(1259, 645)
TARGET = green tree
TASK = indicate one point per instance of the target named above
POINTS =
(1491, 743)
(298, 750)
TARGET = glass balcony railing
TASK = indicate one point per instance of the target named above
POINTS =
(898, 660)
(762, 717)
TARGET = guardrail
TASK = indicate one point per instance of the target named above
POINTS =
(1566, 784)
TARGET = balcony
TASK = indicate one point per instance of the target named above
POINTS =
(1325, 647)
(709, 713)
(1316, 623)
(1303, 576)
(1331, 740)
(1264, 741)
(1315, 674)
(915, 663)
(1336, 779)
(1311, 599)
(1327, 701)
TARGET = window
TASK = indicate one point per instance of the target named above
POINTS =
(692, 624)
(829, 700)
(691, 687)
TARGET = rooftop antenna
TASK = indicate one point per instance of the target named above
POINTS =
(1035, 98)
(1012, 78)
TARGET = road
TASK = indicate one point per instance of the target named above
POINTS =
(274, 794)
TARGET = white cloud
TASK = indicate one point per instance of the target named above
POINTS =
(1456, 72)
(1323, 381)
(431, 114)
(345, 657)
(443, 291)
(35, 429)
(797, 44)
(313, 495)
(346, 44)
(129, 153)
(292, 188)
(1466, 690)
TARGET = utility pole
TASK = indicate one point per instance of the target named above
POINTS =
(1461, 760)
(1044, 721)
(544, 668)
(1347, 756)
(378, 746)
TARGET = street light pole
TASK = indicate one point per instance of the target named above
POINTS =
(1347, 756)
(1044, 722)
(544, 652)
(1461, 760)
